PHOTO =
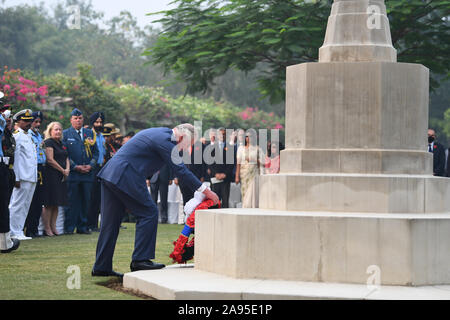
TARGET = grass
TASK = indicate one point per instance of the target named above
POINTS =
(38, 269)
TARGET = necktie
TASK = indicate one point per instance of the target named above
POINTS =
(79, 133)
(429, 148)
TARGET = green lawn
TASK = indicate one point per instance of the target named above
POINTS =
(37, 270)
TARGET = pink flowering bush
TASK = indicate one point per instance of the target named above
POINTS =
(21, 92)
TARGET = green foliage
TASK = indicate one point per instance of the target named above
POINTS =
(201, 39)
(35, 39)
(151, 107)
(87, 94)
(134, 107)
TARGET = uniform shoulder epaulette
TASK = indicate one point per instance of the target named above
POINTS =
(16, 131)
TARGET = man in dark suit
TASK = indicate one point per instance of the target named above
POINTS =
(160, 182)
(222, 167)
(124, 186)
(83, 157)
(196, 165)
(438, 154)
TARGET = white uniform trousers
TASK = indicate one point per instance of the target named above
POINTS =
(5, 241)
(19, 205)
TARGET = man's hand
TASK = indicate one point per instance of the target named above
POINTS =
(175, 181)
(87, 168)
(211, 195)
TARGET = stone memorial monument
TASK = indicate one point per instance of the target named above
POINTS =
(355, 202)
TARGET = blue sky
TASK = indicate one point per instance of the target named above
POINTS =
(111, 8)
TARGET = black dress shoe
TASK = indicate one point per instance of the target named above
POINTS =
(145, 265)
(84, 232)
(16, 243)
(112, 273)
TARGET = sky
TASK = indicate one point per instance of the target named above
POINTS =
(111, 8)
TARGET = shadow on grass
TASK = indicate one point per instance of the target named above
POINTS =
(117, 285)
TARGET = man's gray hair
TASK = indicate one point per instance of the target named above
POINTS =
(186, 129)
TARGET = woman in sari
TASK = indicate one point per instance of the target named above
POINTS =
(247, 170)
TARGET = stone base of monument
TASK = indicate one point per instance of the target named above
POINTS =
(256, 254)
(179, 282)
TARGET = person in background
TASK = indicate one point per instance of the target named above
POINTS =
(197, 166)
(9, 148)
(119, 139)
(222, 168)
(97, 121)
(128, 137)
(160, 182)
(7, 244)
(110, 132)
(438, 152)
(34, 214)
(56, 172)
(448, 161)
(25, 170)
(249, 161)
(206, 145)
(83, 157)
(272, 163)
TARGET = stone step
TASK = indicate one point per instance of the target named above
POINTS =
(180, 282)
(408, 249)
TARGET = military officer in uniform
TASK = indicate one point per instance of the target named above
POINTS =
(25, 169)
(97, 121)
(83, 156)
(124, 186)
(9, 147)
(34, 214)
(7, 244)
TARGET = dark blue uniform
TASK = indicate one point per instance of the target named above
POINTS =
(124, 186)
(79, 185)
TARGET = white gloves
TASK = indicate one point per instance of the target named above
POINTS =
(193, 203)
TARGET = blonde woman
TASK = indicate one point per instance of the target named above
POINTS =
(55, 175)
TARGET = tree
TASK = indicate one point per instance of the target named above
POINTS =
(201, 40)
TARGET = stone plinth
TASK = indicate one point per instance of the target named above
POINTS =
(374, 193)
(367, 117)
(409, 249)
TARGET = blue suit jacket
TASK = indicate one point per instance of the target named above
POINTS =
(141, 157)
(77, 153)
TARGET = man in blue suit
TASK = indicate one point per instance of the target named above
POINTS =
(123, 185)
(83, 156)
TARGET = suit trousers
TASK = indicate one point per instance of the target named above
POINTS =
(79, 193)
(163, 189)
(4, 198)
(222, 190)
(34, 214)
(19, 205)
(113, 204)
(94, 207)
